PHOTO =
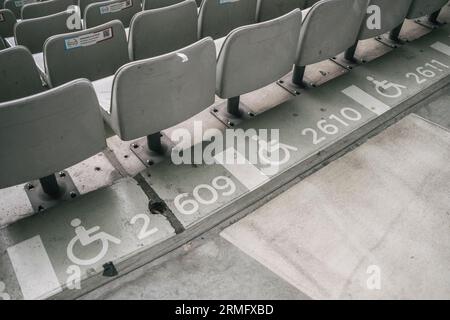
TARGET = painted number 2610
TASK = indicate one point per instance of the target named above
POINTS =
(329, 129)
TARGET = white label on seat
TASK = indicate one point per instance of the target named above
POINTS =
(21, 3)
(366, 100)
(441, 47)
(87, 40)
(247, 174)
(116, 7)
(34, 271)
(2, 18)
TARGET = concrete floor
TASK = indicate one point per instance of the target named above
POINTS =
(205, 269)
(438, 110)
(373, 224)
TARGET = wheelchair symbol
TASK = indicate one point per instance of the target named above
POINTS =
(87, 237)
(269, 152)
(383, 86)
(3, 294)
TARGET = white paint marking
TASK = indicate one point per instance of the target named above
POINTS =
(34, 271)
(366, 100)
(441, 47)
(247, 174)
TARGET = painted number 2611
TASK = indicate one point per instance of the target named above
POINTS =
(428, 71)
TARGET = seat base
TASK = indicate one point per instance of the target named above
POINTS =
(384, 39)
(220, 112)
(40, 201)
(327, 71)
(425, 22)
(371, 49)
(149, 157)
(347, 64)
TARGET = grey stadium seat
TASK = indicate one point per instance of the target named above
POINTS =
(148, 39)
(325, 33)
(32, 33)
(421, 8)
(41, 9)
(255, 56)
(393, 13)
(217, 18)
(48, 132)
(155, 4)
(16, 6)
(92, 53)
(99, 13)
(271, 9)
(155, 94)
(7, 22)
(20, 75)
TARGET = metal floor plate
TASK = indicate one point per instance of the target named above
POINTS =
(313, 128)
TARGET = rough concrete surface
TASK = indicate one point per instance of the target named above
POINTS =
(213, 269)
(380, 214)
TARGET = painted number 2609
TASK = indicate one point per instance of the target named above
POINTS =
(189, 204)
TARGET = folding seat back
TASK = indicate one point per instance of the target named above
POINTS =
(32, 33)
(82, 4)
(218, 17)
(155, 4)
(16, 6)
(101, 12)
(420, 8)
(7, 22)
(271, 9)
(155, 94)
(20, 76)
(2, 44)
(329, 28)
(92, 53)
(148, 39)
(48, 132)
(392, 14)
(257, 55)
(41, 9)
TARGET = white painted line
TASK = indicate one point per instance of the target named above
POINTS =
(247, 174)
(441, 47)
(366, 100)
(34, 271)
